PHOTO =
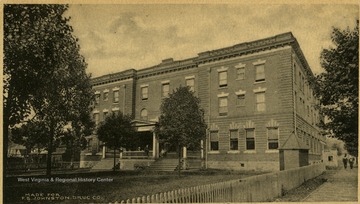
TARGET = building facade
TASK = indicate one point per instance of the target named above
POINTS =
(254, 94)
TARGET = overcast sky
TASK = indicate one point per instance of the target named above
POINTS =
(114, 38)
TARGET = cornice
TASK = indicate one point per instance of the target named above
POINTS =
(169, 65)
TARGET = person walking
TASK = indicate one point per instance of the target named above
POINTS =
(147, 150)
(345, 161)
(351, 162)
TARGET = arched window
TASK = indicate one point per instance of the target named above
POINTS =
(144, 114)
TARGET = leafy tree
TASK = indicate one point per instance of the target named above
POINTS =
(31, 135)
(116, 131)
(43, 71)
(181, 123)
(338, 86)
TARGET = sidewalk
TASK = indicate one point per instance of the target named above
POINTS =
(340, 186)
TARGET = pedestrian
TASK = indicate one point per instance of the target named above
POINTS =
(146, 149)
(345, 161)
(351, 162)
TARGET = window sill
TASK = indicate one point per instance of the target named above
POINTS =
(272, 151)
(239, 79)
(250, 151)
(259, 82)
(223, 87)
(233, 152)
(214, 152)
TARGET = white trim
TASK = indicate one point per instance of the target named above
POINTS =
(97, 92)
(105, 110)
(190, 77)
(214, 152)
(259, 89)
(106, 90)
(144, 85)
(246, 56)
(240, 65)
(222, 94)
(259, 62)
(250, 151)
(240, 92)
(233, 152)
(115, 109)
(272, 151)
(222, 69)
(165, 82)
(96, 111)
(116, 88)
(113, 83)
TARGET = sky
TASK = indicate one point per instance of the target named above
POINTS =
(117, 37)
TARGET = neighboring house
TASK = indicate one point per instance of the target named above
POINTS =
(255, 95)
(16, 150)
(331, 158)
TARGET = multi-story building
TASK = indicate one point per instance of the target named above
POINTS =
(254, 94)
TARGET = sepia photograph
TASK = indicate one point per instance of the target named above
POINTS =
(180, 102)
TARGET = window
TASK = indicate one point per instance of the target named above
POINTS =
(116, 96)
(273, 138)
(144, 93)
(234, 140)
(97, 99)
(223, 106)
(96, 118)
(240, 100)
(214, 141)
(260, 73)
(260, 101)
(191, 83)
(144, 114)
(106, 96)
(330, 158)
(250, 139)
(240, 73)
(105, 114)
(165, 90)
(223, 79)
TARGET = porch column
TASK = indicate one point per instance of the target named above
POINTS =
(202, 148)
(154, 145)
(184, 152)
(157, 148)
(104, 152)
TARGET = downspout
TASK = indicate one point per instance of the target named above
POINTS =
(124, 98)
(208, 132)
(293, 91)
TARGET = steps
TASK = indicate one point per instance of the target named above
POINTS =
(165, 164)
(104, 164)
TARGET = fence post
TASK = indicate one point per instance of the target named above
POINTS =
(128, 201)
(161, 197)
(176, 196)
(133, 200)
(153, 199)
(165, 197)
(157, 200)
(143, 199)
(148, 199)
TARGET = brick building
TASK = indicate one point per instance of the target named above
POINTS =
(255, 95)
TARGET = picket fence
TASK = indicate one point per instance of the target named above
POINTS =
(251, 189)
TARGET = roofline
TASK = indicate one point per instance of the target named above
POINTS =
(169, 65)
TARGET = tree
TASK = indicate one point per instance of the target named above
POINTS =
(31, 135)
(338, 87)
(116, 131)
(181, 123)
(43, 71)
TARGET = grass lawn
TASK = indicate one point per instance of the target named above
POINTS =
(118, 186)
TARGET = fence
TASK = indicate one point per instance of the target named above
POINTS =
(252, 189)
